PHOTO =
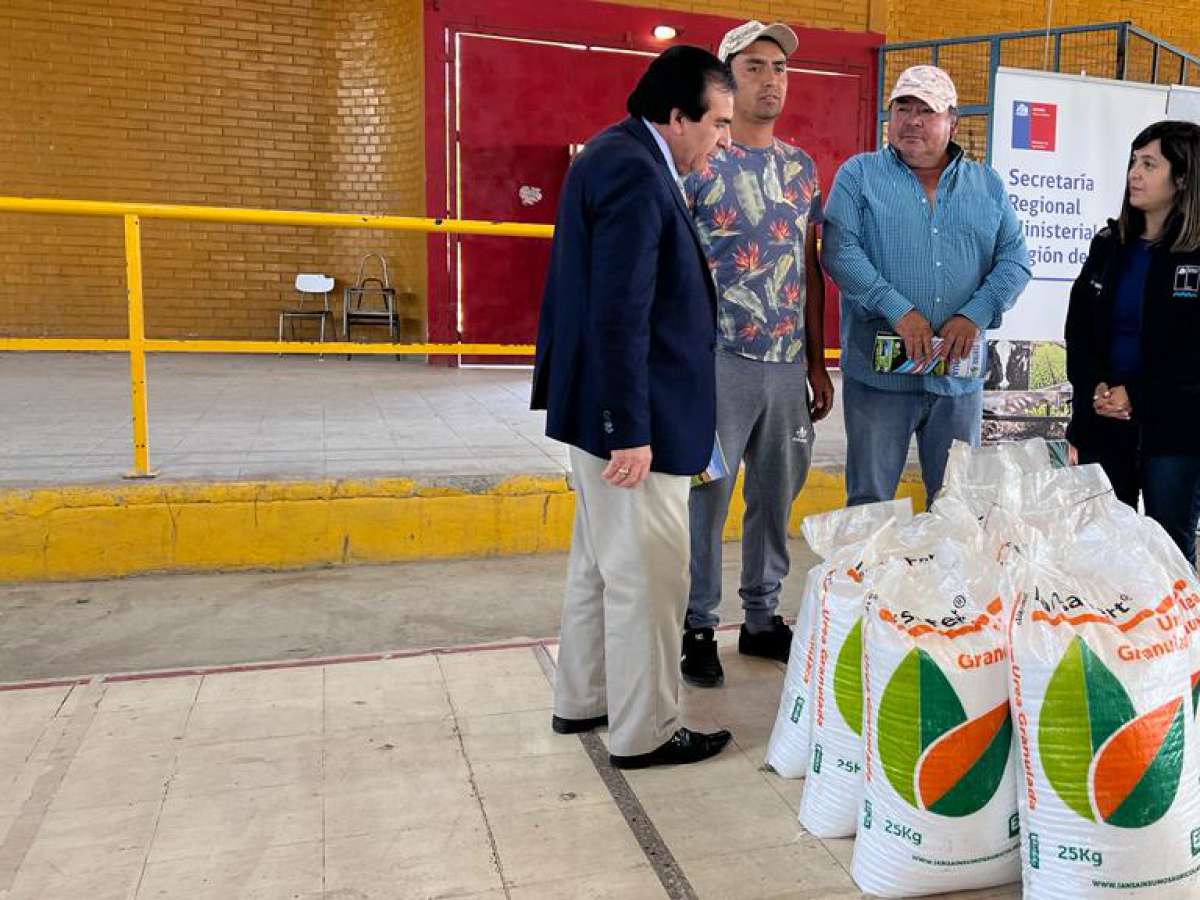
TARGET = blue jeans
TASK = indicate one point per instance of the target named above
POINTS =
(1171, 489)
(880, 425)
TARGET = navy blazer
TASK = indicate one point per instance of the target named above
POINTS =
(628, 321)
(1168, 385)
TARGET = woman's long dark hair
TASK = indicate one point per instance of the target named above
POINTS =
(1180, 142)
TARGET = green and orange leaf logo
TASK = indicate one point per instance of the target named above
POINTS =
(932, 754)
(1104, 760)
(1195, 693)
(847, 679)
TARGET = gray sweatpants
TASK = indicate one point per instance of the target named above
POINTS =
(762, 419)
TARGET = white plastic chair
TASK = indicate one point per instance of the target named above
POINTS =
(309, 284)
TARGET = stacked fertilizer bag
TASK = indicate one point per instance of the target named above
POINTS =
(788, 748)
(1103, 691)
(979, 475)
(1007, 686)
(939, 807)
(834, 781)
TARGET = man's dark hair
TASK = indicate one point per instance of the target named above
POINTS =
(678, 78)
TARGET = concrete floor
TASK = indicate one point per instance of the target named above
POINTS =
(430, 776)
(434, 776)
(230, 418)
(237, 418)
(169, 621)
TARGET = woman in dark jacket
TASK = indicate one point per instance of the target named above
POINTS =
(1133, 336)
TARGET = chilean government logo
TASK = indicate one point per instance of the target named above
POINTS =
(1034, 125)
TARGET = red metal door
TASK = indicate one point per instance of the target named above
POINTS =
(523, 80)
(521, 107)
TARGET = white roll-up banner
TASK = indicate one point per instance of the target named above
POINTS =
(1061, 145)
(1184, 103)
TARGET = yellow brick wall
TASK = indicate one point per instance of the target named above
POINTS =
(379, 143)
(850, 15)
(295, 104)
(309, 104)
(1169, 21)
(911, 20)
(1174, 21)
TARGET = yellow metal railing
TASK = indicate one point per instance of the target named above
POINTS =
(137, 345)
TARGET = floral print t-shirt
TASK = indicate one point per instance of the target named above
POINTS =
(752, 206)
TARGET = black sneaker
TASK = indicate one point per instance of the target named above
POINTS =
(700, 665)
(774, 643)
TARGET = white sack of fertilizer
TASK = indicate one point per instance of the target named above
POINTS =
(978, 475)
(1103, 683)
(939, 809)
(788, 747)
(833, 784)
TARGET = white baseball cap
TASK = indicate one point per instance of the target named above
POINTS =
(927, 83)
(738, 39)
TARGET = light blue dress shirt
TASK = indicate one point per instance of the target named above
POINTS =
(666, 151)
(889, 253)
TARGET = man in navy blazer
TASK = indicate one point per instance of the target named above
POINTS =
(624, 370)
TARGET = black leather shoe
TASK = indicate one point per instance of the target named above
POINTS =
(576, 726)
(685, 747)
(775, 643)
(699, 664)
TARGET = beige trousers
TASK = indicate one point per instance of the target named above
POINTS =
(622, 620)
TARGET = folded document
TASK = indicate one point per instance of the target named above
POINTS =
(890, 357)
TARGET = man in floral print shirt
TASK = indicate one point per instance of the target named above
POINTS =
(757, 207)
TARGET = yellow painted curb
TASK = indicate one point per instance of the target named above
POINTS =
(67, 533)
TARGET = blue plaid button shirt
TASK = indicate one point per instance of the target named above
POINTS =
(888, 254)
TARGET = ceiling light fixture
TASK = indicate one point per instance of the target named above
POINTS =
(664, 32)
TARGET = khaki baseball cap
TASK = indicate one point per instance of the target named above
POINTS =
(738, 39)
(927, 83)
